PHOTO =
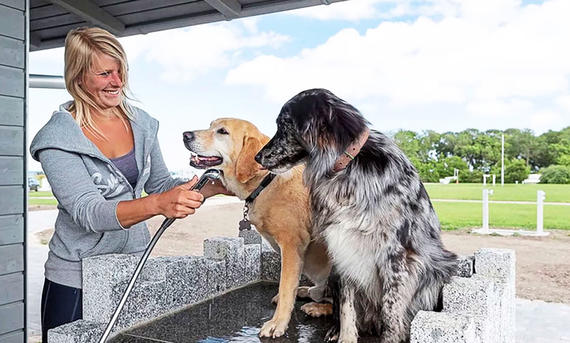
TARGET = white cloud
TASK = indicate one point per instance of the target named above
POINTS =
(486, 56)
(514, 108)
(184, 54)
(355, 10)
(543, 120)
(564, 102)
(344, 10)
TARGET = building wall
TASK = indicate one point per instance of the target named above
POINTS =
(13, 60)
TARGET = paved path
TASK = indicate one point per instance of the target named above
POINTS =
(541, 322)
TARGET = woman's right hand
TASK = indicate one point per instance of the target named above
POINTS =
(180, 201)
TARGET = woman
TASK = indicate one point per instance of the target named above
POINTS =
(99, 153)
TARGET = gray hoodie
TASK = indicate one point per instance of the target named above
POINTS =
(88, 187)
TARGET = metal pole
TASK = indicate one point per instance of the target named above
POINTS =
(540, 196)
(485, 209)
(502, 160)
(47, 81)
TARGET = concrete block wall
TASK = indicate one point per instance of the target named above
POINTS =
(478, 305)
(165, 283)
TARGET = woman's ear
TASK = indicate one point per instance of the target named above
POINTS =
(246, 167)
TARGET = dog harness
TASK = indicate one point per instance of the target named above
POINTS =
(245, 224)
(351, 151)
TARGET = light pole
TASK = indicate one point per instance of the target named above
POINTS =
(502, 160)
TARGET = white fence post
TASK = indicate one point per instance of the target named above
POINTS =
(540, 196)
(486, 193)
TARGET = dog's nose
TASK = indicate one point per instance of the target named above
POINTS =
(188, 136)
(258, 157)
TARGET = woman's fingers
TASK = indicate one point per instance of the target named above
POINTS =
(181, 201)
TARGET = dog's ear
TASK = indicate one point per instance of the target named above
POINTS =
(246, 167)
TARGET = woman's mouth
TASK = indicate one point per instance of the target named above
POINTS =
(111, 92)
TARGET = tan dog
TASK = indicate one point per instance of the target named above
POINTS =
(281, 212)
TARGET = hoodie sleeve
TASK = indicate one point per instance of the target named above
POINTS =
(71, 184)
(159, 179)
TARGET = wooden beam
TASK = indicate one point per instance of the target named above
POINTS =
(231, 9)
(89, 11)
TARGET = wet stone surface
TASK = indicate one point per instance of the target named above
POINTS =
(236, 316)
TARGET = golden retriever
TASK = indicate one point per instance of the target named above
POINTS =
(280, 213)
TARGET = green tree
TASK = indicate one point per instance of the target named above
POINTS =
(555, 174)
(516, 170)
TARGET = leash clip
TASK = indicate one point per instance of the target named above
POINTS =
(245, 224)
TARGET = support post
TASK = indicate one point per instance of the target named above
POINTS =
(502, 160)
(540, 196)
(486, 193)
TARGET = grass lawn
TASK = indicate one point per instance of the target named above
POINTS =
(458, 215)
(33, 194)
(34, 201)
(473, 191)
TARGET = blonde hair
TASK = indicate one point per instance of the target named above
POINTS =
(81, 46)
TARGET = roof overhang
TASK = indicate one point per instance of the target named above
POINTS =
(50, 20)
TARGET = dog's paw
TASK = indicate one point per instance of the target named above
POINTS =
(332, 334)
(275, 299)
(317, 310)
(273, 328)
(303, 292)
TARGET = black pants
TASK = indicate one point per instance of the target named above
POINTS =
(60, 305)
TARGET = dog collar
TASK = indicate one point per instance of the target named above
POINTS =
(266, 181)
(245, 224)
(351, 151)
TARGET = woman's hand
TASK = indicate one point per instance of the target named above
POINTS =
(213, 188)
(180, 201)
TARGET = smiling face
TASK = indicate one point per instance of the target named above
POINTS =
(229, 145)
(104, 81)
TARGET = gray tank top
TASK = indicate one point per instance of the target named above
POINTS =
(127, 164)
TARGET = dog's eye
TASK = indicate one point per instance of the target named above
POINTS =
(223, 131)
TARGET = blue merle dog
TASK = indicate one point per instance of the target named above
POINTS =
(374, 214)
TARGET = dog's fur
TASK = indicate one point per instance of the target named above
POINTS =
(381, 231)
(280, 213)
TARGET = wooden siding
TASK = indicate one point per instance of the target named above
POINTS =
(11, 111)
(13, 181)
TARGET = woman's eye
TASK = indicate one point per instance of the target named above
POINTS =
(104, 74)
(223, 131)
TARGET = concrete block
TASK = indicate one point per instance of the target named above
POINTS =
(186, 280)
(233, 252)
(496, 263)
(252, 262)
(477, 297)
(499, 266)
(440, 327)
(100, 276)
(79, 331)
(465, 266)
(270, 265)
(216, 277)
(250, 236)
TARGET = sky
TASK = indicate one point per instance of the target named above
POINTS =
(443, 65)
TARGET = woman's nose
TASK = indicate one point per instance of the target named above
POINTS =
(116, 79)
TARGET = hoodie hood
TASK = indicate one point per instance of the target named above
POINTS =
(62, 132)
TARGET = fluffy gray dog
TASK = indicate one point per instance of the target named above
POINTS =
(372, 211)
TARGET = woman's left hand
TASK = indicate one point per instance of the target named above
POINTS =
(213, 188)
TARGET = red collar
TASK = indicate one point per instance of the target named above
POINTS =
(351, 151)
